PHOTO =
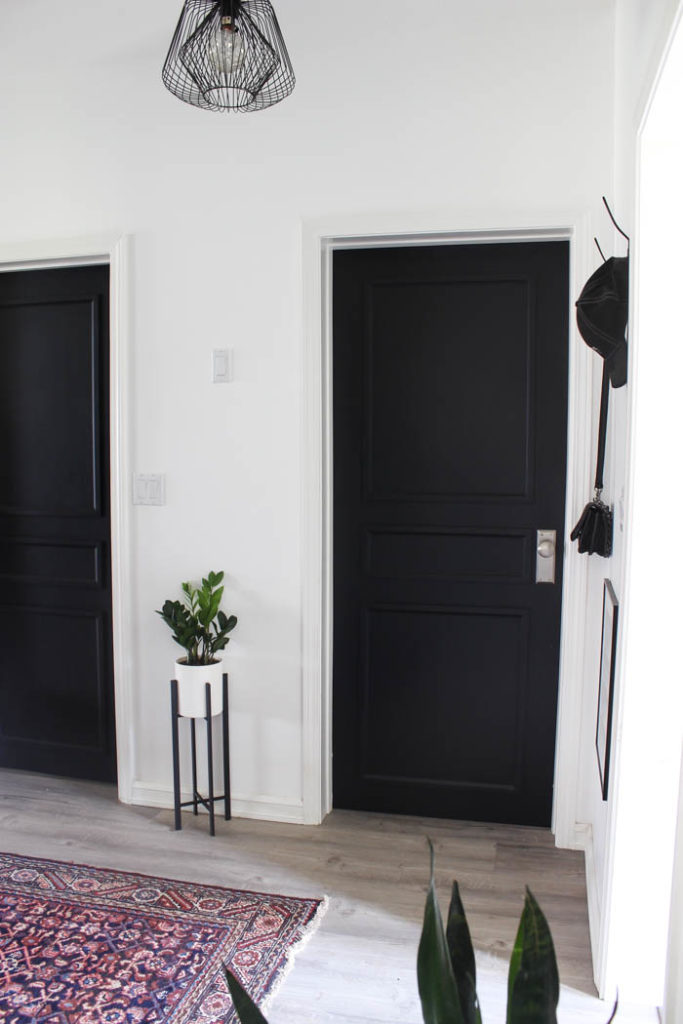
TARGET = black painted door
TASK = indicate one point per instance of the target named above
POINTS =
(450, 420)
(56, 677)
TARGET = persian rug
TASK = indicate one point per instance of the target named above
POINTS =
(83, 945)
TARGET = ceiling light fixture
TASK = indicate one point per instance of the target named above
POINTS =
(228, 55)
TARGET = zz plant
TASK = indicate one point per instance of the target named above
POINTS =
(446, 971)
(197, 623)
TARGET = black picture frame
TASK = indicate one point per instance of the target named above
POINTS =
(608, 656)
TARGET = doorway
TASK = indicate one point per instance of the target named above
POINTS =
(56, 673)
(450, 426)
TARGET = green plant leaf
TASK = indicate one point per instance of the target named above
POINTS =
(533, 982)
(247, 1010)
(435, 978)
(515, 960)
(193, 621)
(462, 958)
(189, 594)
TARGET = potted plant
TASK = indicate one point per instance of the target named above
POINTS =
(201, 628)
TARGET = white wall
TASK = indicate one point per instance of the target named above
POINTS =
(673, 1005)
(633, 831)
(493, 112)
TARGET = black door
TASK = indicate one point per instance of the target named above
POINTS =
(450, 419)
(56, 677)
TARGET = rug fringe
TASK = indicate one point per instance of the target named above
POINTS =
(307, 934)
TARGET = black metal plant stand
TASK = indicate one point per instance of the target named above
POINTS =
(197, 799)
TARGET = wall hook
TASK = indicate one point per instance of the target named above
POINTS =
(604, 260)
(611, 217)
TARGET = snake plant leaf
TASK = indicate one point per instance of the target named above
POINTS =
(533, 982)
(435, 978)
(247, 1010)
(462, 958)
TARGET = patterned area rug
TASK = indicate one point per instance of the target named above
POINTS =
(81, 945)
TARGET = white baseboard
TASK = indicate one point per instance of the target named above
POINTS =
(583, 840)
(261, 808)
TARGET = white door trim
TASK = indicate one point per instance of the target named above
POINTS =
(606, 942)
(114, 251)
(320, 239)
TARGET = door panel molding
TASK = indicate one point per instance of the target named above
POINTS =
(97, 623)
(67, 568)
(320, 239)
(517, 617)
(87, 503)
(114, 250)
(381, 433)
(383, 559)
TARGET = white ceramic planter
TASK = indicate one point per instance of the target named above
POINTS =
(192, 680)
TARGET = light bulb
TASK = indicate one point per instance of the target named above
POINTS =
(226, 49)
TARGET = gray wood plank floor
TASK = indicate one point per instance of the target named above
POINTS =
(360, 965)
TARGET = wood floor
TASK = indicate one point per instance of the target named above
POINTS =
(360, 965)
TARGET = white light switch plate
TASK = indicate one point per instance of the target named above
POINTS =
(149, 489)
(222, 365)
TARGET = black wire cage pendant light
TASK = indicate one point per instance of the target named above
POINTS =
(228, 55)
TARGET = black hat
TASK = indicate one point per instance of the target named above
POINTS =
(602, 315)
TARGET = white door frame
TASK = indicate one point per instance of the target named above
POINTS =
(320, 239)
(622, 871)
(113, 250)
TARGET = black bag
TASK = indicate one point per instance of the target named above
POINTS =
(594, 530)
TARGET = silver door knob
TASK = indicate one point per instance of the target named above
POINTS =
(546, 549)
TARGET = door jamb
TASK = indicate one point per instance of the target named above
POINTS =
(320, 240)
(113, 250)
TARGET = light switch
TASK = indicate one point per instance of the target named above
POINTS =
(222, 365)
(149, 489)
